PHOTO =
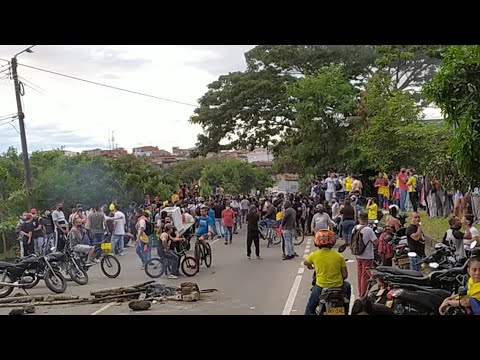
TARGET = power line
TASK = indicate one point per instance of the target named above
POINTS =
(109, 86)
(28, 81)
(8, 115)
(10, 123)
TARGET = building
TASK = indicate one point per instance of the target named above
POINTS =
(259, 155)
(150, 151)
(111, 154)
(287, 183)
(182, 152)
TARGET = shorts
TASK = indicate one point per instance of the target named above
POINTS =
(205, 236)
(82, 249)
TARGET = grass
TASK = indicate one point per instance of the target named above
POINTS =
(434, 228)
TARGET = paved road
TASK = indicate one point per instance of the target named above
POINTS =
(268, 286)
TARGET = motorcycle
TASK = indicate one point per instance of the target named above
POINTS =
(28, 271)
(74, 265)
(333, 301)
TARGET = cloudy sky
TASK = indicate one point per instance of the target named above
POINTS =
(77, 115)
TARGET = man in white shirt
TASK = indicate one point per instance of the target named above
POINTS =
(330, 181)
(118, 231)
(365, 260)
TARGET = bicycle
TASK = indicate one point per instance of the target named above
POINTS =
(201, 255)
(156, 267)
(108, 262)
(270, 233)
(299, 235)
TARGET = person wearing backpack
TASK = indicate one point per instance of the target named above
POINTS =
(363, 240)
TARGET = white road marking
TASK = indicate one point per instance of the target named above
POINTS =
(307, 251)
(305, 256)
(214, 241)
(349, 261)
(291, 297)
(352, 300)
(103, 308)
(301, 270)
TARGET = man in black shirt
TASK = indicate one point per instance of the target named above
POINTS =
(27, 235)
(49, 226)
(218, 208)
(38, 234)
(252, 232)
(416, 241)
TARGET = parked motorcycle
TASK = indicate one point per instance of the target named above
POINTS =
(28, 271)
(74, 265)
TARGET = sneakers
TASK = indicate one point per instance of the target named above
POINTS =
(171, 276)
(226, 242)
(288, 257)
(295, 255)
(248, 257)
(258, 257)
(122, 253)
(230, 242)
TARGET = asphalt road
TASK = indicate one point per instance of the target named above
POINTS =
(267, 286)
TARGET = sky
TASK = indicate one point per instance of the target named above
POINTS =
(80, 116)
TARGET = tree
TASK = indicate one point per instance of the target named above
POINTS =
(456, 90)
(392, 134)
(247, 109)
(322, 104)
(409, 65)
(235, 176)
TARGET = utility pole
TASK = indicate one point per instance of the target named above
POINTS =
(26, 162)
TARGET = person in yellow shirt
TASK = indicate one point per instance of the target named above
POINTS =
(472, 299)
(372, 209)
(347, 182)
(175, 198)
(412, 189)
(330, 267)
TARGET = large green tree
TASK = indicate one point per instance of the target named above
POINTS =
(456, 90)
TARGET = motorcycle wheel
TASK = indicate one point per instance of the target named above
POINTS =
(5, 290)
(78, 275)
(55, 281)
(33, 284)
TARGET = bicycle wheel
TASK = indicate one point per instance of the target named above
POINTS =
(208, 256)
(276, 239)
(110, 266)
(155, 268)
(189, 266)
(198, 253)
(299, 236)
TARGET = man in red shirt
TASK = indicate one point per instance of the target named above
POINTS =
(228, 217)
(402, 181)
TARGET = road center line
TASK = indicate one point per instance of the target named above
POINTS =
(103, 308)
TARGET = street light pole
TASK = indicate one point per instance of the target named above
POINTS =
(23, 137)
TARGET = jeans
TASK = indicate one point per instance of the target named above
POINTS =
(348, 226)
(228, 231)
(170, 255)
(380, 201)
(266, 222)
(49, 242)
(144, 256)
(415, 263)
(314, 299)
(403, 199)
(39, 245)
(288, 237)
(97, 239)
(328, 195)
(238, 220)
(117, 242)
(219, 227)
(362, 265)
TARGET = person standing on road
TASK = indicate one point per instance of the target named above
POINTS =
(321, 220)
(47, 223)
(228, 218)
(38, 234)
(235, 205)
(118, 231)
(143, 246)
(26, 231)
(61, 226)
(288, 227)
(218, 209)
(253, 232)
(244, 205)
(365, 260)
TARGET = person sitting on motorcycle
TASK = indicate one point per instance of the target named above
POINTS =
(391, 220)
(75, 237)
(329, 266)
(472, 299)
(205, 227)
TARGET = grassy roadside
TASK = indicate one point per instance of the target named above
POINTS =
(433, 228)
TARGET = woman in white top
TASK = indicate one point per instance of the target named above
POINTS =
(468, 221)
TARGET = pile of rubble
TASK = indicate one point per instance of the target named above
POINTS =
(140, 296)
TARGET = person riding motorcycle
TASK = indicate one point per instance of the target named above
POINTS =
(329, 266)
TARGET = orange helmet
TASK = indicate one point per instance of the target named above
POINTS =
(324, 237)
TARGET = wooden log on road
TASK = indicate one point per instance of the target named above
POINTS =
(44, 303)
(27, 299)
(120, 289)
(119, 296)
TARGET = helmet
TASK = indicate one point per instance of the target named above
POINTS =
(394, 206)
(324, 237)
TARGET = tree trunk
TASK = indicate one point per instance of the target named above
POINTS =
(4, 244)
(27, 299)
(120, 289)
(43, 303)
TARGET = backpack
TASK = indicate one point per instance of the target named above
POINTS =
(148, 228)
(419, 187)
(357, 245)
(338, 185)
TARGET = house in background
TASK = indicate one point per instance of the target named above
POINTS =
(287, 183)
